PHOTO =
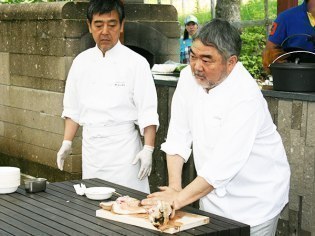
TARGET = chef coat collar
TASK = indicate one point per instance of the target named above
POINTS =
(111, 52)
(227, 81)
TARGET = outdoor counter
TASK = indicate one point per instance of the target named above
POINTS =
(60, 211)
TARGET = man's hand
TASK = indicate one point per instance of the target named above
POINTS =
(63, 153)
(167, 194)
(145, 157)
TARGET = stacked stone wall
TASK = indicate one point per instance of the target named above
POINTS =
(37, 45)
(295, 120)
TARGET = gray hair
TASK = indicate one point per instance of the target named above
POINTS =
(222, 35)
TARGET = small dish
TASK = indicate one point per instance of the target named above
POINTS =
(99, 193)
(35, 185)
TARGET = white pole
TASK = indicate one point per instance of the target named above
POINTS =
(212, 3)
(183, 7)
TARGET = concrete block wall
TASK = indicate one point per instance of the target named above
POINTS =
(295, 120)
(37, 45)
(154, 28)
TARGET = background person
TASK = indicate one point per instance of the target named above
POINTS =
(191, 27)
(296, 23)
(110, 88)
(242, 169)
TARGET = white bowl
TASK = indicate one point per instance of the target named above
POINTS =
(10, 184)
(5, 179)
(8, 190)
(99, 193)
(8, 170)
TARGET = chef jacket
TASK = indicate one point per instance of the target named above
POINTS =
(108, 95)
(236, 147)
(111, 90)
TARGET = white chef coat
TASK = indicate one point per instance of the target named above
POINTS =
(236, 146)
(108, 96)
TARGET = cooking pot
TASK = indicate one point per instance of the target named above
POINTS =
(296, 75)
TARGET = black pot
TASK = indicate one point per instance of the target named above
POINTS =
(293, 77)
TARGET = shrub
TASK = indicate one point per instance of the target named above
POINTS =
(254, 41)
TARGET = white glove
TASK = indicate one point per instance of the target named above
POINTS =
(63, 153)
(145, 157)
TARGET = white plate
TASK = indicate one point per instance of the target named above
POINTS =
(99, 193)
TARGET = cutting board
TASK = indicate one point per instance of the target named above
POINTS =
(181, 221)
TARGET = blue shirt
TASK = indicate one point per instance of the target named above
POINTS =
(289, 23)
(184, 50)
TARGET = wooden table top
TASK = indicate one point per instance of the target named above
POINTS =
(60, 211)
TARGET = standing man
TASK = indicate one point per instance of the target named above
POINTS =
(110, 89)
(242, 169)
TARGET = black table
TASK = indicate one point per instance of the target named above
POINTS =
(60, 211)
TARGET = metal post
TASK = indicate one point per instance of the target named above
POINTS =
(212, 3)
(266, 6)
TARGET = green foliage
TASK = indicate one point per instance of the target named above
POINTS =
(254, 10)
(202, 16)
(254, 40)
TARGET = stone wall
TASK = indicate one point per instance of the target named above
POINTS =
(38, 43)
(295, 120)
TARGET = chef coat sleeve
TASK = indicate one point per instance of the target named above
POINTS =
(70, 100)
(179, 138)
(145, 97)
(234, 142)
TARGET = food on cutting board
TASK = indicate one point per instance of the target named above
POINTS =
(158, 214)
(124, 205)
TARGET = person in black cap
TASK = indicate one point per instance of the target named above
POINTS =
(191, 26)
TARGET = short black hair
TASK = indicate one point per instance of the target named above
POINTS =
(105, 6)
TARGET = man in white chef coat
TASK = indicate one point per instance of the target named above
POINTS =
(242, 169)
(109, 89)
